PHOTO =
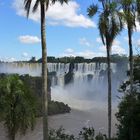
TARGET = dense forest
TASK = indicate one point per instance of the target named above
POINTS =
(116, 58)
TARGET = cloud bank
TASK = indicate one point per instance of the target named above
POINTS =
(67, 15)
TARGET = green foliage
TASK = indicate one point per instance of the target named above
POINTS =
(136, 76)
(92, 10)
(60, 135)
(110, 23)
(130, 8)
(87, 134)
(100, 136)
(116, 58)
(129, 117)
(58, 108)
(128, 114)
(17, 105)
(137, 69)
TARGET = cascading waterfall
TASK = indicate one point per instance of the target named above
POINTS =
(89, 80)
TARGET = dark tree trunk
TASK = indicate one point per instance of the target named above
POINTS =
(44, 74)
(109, 92)
(130, 59)
(131, 76)
(12, 137)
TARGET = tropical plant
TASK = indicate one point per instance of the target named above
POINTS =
(109, 24)
(60, 135)
(125, 115)
(87, 134)
(128, 114)
(17, 105)
(44, 5)
(129, 10)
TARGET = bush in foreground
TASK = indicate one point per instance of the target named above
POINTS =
(17, 105)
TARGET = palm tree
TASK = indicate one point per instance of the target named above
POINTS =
(17, 105)
(129, 17)
(109, 25)
(130, 13)
(44, 5)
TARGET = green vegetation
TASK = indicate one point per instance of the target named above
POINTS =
(114, 58)
(44, 5)
(84, 134)
(110, 24)
(60, 135)
(34, 88)
(58, 108)
(17, 105)
(129, 10)
(128, 115)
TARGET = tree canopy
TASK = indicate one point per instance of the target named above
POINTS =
(17, 105)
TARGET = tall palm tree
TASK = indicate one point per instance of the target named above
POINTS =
(44, 5)
(130, 13)
(109, 25)
(129, 16)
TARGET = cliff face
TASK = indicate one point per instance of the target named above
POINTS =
(69, 76)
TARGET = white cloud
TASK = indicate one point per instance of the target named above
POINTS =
(83, 41)
(126, 39)
(89, 54)
(116, 43)
(115, 49)
(85, 54)
(118, 50)
(137, 43)
(8, 59)
(25, 54)
(137, 26)
(57, 14)
(98, 39)
(11, 59)
(69, 50)
(27, 39)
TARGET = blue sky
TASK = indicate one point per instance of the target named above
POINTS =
(69, 32)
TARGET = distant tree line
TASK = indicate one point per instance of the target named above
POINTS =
(116, 58)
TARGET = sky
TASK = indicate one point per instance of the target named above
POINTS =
(69, 32)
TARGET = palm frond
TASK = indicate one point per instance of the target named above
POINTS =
(110, 24)
(36, 5)
(138, 9)
(27, 6)
(92, 10)
(102, 27)
(47, 4)
(61, 1)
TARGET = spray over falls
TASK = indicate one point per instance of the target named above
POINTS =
(81, 85)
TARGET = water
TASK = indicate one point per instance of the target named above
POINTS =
(87, 94)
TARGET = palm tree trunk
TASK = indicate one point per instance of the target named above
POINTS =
(109, 92)
(130, 59)
(12, 137)
(44, 74)
(12, 133)
(131, 76)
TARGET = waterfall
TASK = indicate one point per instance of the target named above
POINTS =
(89, 79)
